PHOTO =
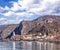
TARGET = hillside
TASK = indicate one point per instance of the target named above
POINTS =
(2, 27)
(44, 25)
(6, 33)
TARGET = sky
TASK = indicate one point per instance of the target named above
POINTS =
(14, 11)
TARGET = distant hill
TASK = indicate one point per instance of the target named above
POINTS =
(2, 27)
(8, 30)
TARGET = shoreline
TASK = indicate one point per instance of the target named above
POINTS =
(51, 41)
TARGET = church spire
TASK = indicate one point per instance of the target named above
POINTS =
(13, 33)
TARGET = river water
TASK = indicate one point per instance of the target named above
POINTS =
(26, 45)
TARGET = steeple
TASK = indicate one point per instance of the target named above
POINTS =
(13, 33)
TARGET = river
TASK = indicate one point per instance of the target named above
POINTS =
(29, 45)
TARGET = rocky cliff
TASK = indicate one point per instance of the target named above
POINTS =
(48, 24)
(7, 32)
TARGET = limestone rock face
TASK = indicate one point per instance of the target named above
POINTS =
(48, 24)
(27, 26)
(8, 31)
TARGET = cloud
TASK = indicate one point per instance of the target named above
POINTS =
(15, 7)
(45, 7)
(9, 13)
(3, 19)
(29, 8)
(37, 7)
(13, 21)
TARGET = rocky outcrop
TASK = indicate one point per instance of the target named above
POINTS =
(7, 32)
(48, 24)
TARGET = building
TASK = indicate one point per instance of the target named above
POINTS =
(27, 37)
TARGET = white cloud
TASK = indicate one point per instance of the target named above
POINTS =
(25, 3)
(9, 13)
(32, 7)
(3, 19)
(13, 21)
(24, 14)
(45, 7)
(1, 9)
(10, 22)
(6, 8)
(15, 7)
(37, 7)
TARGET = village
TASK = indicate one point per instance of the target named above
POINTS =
(33, 37)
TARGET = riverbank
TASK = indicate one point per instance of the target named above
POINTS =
(40, 40)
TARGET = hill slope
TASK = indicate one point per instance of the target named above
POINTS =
(46, 24)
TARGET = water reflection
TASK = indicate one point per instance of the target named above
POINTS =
(25, 45)
(13, 45)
